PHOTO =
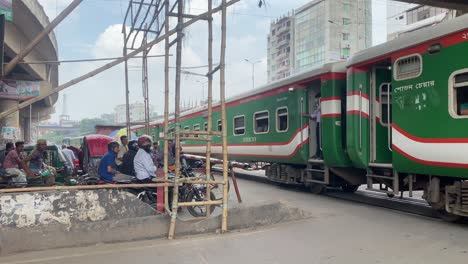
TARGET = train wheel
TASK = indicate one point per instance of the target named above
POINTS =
(348, 188)
(316, 188)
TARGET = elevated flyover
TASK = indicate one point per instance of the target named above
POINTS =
(27, 80)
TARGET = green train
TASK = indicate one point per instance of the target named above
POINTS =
(394, 117)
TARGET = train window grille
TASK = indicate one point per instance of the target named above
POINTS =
(261, 122)
(282, 119)
(187, 128)
(385, 97)
(205, 126)
(220, 125)
(460, 85)
(196, 128)
(239, 125)
(408, 67)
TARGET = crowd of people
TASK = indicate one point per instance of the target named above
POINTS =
(124, 161)
(25, 167)
(137, 159)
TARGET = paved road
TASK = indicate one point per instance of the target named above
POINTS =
(338, 232)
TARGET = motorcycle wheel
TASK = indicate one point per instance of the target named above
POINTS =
(199, 211)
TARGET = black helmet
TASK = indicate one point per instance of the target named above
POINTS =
(111, 145)
(133, 145)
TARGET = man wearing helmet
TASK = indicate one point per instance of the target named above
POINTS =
(145, 168)
(107, 167)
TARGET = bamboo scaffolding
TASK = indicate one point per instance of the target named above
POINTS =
(85, 187)
(180, 20)
(108, 65)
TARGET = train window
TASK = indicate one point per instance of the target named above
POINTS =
(205, 126)
(261, 122)
(187, 128)
(408, 67)
(460, 87)
(239, 125)
(385, 97)
(282, 119)
(196, 128)
(220, 126)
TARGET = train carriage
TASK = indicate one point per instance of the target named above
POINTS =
(404, 116)
(395, 115)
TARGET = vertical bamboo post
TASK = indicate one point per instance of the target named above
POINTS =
(166, 102)
(145, 84)
(222, 70)
(127, 91)
(180, 20)
(210, 102)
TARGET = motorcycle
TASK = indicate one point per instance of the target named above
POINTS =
(187, 193)
(6, 180)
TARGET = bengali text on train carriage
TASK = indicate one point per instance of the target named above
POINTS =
(418, 86)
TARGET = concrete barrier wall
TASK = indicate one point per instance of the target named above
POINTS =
(68, 207)
(48, 220)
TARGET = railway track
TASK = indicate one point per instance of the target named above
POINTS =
(405, 204)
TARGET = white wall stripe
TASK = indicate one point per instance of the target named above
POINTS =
(277, 150)
(352, 103)
(330, 107)
(432, 152)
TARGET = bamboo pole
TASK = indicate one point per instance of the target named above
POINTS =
(195, 132)
(222, 70)
(210, 103)
(11, 65)
(127, 90)
(185, 204)
(166, 103)
(107, 66)
(85, 187)
(180, 20)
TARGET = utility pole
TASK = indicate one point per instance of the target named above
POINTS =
(253, 71)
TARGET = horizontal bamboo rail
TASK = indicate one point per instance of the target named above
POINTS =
(195, 132)
(216, 202)
(85, 187)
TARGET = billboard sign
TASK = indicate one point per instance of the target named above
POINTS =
(6, 8)
(10, 133)
(13, 89)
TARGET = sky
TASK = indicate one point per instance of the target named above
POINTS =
(94, 29)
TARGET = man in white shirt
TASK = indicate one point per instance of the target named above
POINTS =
(143, 164)
(69, 155)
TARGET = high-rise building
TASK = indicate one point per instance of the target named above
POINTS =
(137, 112)
(329, 30)
(280, 58)
(403, 17)
(319, 32)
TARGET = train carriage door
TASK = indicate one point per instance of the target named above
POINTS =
(314, 103)
(381, 105)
